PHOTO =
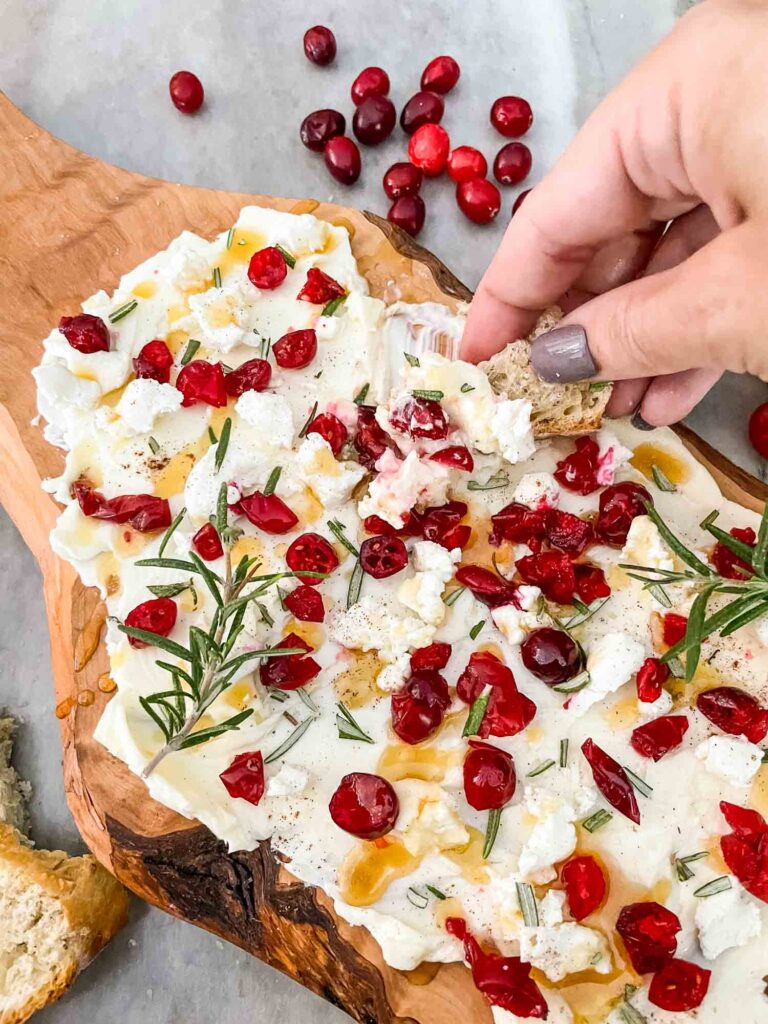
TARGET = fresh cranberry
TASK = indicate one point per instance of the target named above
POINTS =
(429, 148)
(727, 562)
(207, 543)
(402, 179)
(512, 164)
(320, 288)
(745, 849)
(319, 45)
(442, 525)
(746, 823)
(370, 441)
(758, 430)
(370, 82)
(578, 471)
(296, 349)
(679, 986)
(674, 628)
(156, 616)
(342, 158)
(289, 671)
(423, 108)
(466, 163)
(511, 116)
(154, 362)
(305, 604)
(419, 706)
(374, 120)
(649, 933)
(376, 525)
(267, 269)
(519, 524)
(651, 676)
(483, 669)
(612, 781)
(268, 512)
(201, 381)
(552, 655)
(567, 532)
(520, 200)
(244, 779)
(584, 884)
(320, 126)
(186, 91)
(591, 584)
(420, 417)
(433, 657)
(85, 333)
(311, 553)
(619, 505)
(408, 213)
(656, 738)
(507, 714)
(252, 375)
(440, 75)
(382, 557)
(479, 200)
(552, 572)
(331, 429)
(489, 777)
(735, 712)
(364, 805)
(144, 512)
(456, 456)
(487, 586)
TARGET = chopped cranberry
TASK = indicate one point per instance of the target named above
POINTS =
(483, 669)
(486, 586)
(420, 417)
(651, 676)
(591, 584)
(289, 671)
(567, 532)
(519, 524)
(377, 525)
(440, 524)
(649, 933)
(552, 655)
(408, 213)
(520, 200)
(758, 430)
(679, 986)
(746, 823)
(268, 512)
(433, 657)
(419, 706)
(364, 805)
(456, 456)
(727, 562)
(370, 441)
(612, 781)
(342, 158)
(479, 200)
(489, 776)
(319, 45)
(422, 108)
(735, 712)
(745, 849)
(371, 81)
(296, 349)
(552, 572)
(154, 362)
(466, 163)
(512, 164)
(305, 604)
(619, 505)
(584, 884)
(207, 543)
(578, 471)
(144, 512)
(201, 381)
(429, 148)
(657, 738)
(155, 616)
(85, 332)
(320, 288)
(674, 628)
(320, 126)
(507, 714)
(311, 553)
(511, 116)
(244, 779)
(402, 179)
(186, 91)
(331, 429)
(440, 75)
(252, 375)
(267, 269)
(374, 120)
(382, 557)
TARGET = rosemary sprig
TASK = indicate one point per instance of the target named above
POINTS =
(491, 831)
(289, 259)
(222, 444)
(477, 629)
(355, 584)
(453, 596)
(330, 307)
(434, 396)
(169, 532)
(230, 237)
(411, 360)
(661, 479)
(216, 277)
(493, 483)
(420, 899)
(271, 484)
(362, 394)
(171, 589)
(154, 447)
(192, 346)
(307, 422)
(337, 528)
(564, 753)
(466, 388)
(476, 715)
(122, 311)
(540, 769)
(526, 900)
(348, 728)
(712, 888)
(684, 872)
(597, 820)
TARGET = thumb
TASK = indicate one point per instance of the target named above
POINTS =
(709, 311)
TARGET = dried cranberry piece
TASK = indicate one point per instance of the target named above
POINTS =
(289, 671)
(567, 532)
(440, 75)
(331, 429)
(441, 524)
(371, 81)
(433, 657)
(584, 884)
(735, 712)
(727, 562)
(320, 288)
(268, 512)
(374, 120)
(252, 375)
(429, 148)
(420, 417)
(486, 586)
(745, 849)
(591, 584)
(319, 45)
(512, 164)
(651, 676)
(155, 616)
(85, 332)
(612, 781)
(552, 655)
(370, 440)
(342, 158)
(187, 93)
(320, 126)
(483, 669)
(201, 381)
(382, 557)
(364, 805)
(511, 116)
(479, 200)
(458, 537)
(419, 706)
(267, 269)
(745, 822)
(144, 512)
(619, 505)
(578, 471)
(649, 933)
(305, 604)
(311, 553)
(422, 108)
(507, 714)
(519, 524)
(679, 986)
(154, 362)
(657, 738)
(489, 776)
(244, 779)
(408, 213)
(402, 179)
(552, 572)
(674, 628)
(207, 543)
(456, 456)
(296, 349)
(377, 525)
(466, 163)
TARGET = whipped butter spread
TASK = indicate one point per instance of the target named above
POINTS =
(129, 435)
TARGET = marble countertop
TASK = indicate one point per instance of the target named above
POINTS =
(95, 74)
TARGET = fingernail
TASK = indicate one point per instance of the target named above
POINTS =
(563, 355)
(640, 424)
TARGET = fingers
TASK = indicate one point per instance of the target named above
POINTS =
(626, 396)
(669, 399)
(686, 236)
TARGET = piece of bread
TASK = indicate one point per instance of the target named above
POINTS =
(557, 408)
(13, 792)
(56, 911)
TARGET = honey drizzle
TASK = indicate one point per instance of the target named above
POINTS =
(646, 456)
(89, 636)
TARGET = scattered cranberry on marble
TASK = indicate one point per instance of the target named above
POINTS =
(584, 884)
(85, 332)
(512, 163)
(568, 532)
(311, 553)
(519, 524)
(511, 116)
(429, 148)
(374, 120)
(296, 349)
(424, 107)
(187, 93)
(201, 381)
(244, 779)
(520, 200)
(156, 616)
(479, 200)
(373, 81)
(466, 163)
(267, 268)
(402, 179)
(320, 126)
(382, 557)
(440, 75)
(207, 543)
(154, 362)
(342, 158)
(252, 375)
(408, 213)
(319, 45)
(758, 430)
(364, 805)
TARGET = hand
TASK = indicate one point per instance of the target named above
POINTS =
(683, 139)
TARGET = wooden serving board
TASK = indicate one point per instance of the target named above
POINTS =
(70, 225)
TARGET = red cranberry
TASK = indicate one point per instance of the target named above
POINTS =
(649, 933)
(364, 805)
(268, 512)
(679, 986)
(342, 158)
(584, 884)
(311, 553)
(612, 781)
(252, 375)
(154, 362)
(551, 655)
(520, 200)
(727, 562)
(374, 120)
(456, 457)
(156, 616)
(487, 586)
(305, 604)
(441, 524)
(519, 524)
(144, 512)
(758, 430)
(578, 471)
(419, 706)
(186, 91)
(567, 532)
(619, 505)
(735, 712)
(408, 213)
(440, 75)
(507, 714)
(422, 108)
(489, 776)
(551, 571)
(434, 657)
(331, 429)
(370, 82)
(370, 441)
(511, 116)
(320, 126)
(420, 417)
(655, 739)
(85, 332)
(402, 179)
(483, 669)
(267, 268)
(201, 381)
(512, 164)
(244, 779)
(289, 671)
(745, 849)
(651, 676)
(320, 288)
(319, 45)
(207, 543)
(429, 148)
(674, 628)
(296, 349)
(466, 163)
(479, 200)
(382, 557)
(591, 584)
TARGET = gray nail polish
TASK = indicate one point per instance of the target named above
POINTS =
(563, 355)
(640, 424)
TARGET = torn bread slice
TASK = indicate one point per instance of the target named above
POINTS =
(13, 792)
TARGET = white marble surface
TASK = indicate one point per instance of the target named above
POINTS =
(95, 73)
